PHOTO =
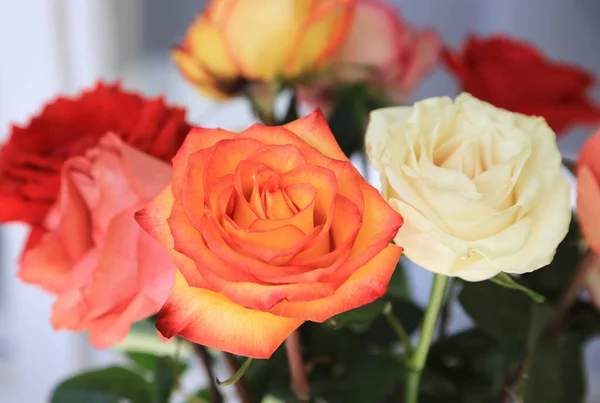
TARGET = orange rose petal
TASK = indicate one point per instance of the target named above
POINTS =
(379, 226)
(280, 158)
(273, 24)
(217, 11)
(275, 135)
(190, 68)
(319, 245)
(153, 219)
(256, 202)
(239, 261)
(195, 191)
(217, 275)
(207, 318)
(243, 215)
(329, 19)
(189, 241)
(303, 220)
(346, 224)
(301, 194)
(205, 41)
(223, 202)
(380, 222)
(265, 296)
(247, 191)
(227, 155)
(588, 207)
(268, 245)
(196, 140)
(314, 130)
(244, 176)
(323, 180)
(364, 286)
(348, 178)
(276, 203)
(193, 71)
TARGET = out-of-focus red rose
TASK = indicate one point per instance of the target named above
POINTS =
(514, 75)
(105, 270)
(383, 50)
(32, 158)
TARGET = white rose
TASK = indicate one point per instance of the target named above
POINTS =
(479, 187)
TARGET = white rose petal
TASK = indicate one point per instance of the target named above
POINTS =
(480, 188)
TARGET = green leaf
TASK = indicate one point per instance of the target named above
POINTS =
(238, 375)
(165, 378)
(265, 375)
(148, 362)
(109, 385)
(555, 367)
(362, 315)
(551, 280)
(202, 396)
(381, 333)
(505, 280)
(373, 380)
(470, 366)
(333, 347)
(498, 311)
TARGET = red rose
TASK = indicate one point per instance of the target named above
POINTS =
(514, 75)
(32, 159)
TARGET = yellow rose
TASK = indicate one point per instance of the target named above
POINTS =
(479, 187)
(234, 42)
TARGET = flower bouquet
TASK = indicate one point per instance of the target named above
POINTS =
(267, 250)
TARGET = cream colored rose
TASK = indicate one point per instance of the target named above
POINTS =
(480, 188)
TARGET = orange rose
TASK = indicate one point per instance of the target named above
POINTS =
(105, 270)
(234, 42)
(269, 228)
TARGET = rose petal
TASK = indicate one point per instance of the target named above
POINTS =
(314, 130)
(209, 319)
(153, 219)
(364, 286)
(588, 206)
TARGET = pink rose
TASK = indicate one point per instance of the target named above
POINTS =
(104, 269)
(381, 49)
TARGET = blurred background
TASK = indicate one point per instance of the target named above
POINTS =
(50, 47)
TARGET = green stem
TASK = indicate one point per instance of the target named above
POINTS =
(417, 361)
(397, 326)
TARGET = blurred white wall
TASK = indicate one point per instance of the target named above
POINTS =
(59, 46)
(47, 47)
